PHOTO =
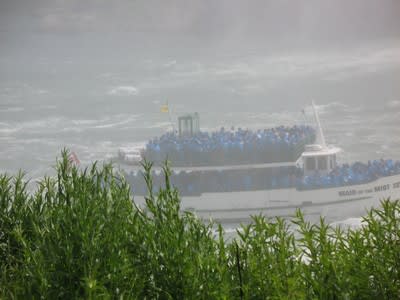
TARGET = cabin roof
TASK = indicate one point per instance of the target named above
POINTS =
(321, 152)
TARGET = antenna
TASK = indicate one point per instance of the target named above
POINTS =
(321, 134)
(303, 113)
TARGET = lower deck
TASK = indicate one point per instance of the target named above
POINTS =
(333, 203)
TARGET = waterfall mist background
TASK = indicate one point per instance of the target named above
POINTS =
(92, 75)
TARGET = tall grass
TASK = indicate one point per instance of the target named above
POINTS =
(80, 235)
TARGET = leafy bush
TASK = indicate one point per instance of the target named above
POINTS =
(80, 235)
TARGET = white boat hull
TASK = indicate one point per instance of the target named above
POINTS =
(334, 204)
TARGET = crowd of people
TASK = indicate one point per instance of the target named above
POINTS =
(198, 182)
(356, 173)
(231, 147)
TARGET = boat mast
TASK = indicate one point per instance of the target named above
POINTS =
(321, 134)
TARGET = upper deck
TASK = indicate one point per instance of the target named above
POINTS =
(232, 147)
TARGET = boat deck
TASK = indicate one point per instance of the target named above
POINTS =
(129, 168)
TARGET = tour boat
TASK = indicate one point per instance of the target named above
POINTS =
(339, 198)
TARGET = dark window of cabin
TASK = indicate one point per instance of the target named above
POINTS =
(310, 163)
(322, 163)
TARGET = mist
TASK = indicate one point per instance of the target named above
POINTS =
(91, 75)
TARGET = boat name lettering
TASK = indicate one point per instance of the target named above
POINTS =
(396, 185)
(347, 193)
(381, 188)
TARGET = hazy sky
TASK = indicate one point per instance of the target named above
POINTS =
(92, 73)
(302, 21)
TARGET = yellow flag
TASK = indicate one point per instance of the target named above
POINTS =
(164, 108)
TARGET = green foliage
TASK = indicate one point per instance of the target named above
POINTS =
(80, 235)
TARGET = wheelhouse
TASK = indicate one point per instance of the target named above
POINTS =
(319, 160)
(189, 124)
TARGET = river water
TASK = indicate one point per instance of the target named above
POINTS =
(94, 104)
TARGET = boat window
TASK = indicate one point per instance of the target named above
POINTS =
(322, 163)
(310, 163)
